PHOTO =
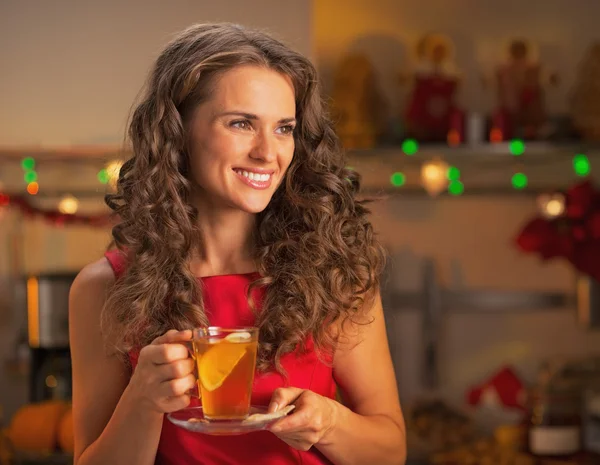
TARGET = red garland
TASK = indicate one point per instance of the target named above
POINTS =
(574, 236)
(55, 217)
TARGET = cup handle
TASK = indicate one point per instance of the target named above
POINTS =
(194, 392)
(190, 347)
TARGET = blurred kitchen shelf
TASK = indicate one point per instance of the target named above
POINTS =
(485, 169)
(484, 301)
(434, 301)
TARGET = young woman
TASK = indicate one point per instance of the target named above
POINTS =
(235, 209)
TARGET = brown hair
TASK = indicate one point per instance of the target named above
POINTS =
(316, 250)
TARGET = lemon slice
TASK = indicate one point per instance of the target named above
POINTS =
(238, 337)
(218, 363)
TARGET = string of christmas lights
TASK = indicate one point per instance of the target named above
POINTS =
(436, 169)
(68, 205)
(64, 216)
(437, 175)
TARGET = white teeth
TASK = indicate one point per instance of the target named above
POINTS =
(254, 176)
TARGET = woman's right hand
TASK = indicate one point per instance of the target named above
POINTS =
(164, 374)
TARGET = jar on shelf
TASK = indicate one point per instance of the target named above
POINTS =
(555, 420)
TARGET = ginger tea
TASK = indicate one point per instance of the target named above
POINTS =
(226, 360)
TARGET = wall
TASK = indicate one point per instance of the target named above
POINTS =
(389, 29)
(71, 70)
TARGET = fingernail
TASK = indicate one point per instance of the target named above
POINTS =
(273, 407)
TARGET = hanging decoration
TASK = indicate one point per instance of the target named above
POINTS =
(568, 228)
(60, 217)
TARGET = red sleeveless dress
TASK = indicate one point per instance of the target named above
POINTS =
(226, 305)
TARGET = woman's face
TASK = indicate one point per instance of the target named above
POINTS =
(241, 140)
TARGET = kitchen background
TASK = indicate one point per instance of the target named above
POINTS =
(484, 162)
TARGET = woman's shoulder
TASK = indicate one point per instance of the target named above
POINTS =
(92, 285)
(98, 273)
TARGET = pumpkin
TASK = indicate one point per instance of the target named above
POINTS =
(34, 427)
(65, 432)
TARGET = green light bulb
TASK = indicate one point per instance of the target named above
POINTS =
(456, 187)
(28, 163)
(30, 176)
(516, 147)
(519, 181)
(581, 165)
(103, 176)
(398, 179)
(453, 173)
(410, 146)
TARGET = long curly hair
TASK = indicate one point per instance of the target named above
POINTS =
(316, 252)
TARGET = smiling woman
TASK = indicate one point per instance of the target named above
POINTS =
(236, 211)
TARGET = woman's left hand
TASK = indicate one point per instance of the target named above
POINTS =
(312, 419)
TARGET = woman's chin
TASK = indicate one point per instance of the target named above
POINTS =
(254, 208)
(250, 205)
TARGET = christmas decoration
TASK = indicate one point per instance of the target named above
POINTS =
(357, 103)
(573, 235)
(434, 176)
(520, 90)
(68, 205)
(432, 113)
(551, 205)
(503, 389)
(585, 103)
(57, 217)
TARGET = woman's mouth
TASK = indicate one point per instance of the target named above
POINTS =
(254, 179)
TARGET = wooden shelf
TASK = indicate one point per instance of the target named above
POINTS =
(485, 169)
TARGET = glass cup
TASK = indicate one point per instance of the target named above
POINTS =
(225, 361)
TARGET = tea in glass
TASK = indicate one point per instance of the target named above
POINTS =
(226, 360)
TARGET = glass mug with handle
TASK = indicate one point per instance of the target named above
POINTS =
(225, 361)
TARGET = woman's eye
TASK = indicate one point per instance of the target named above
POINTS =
(241, 124)
(287, 129)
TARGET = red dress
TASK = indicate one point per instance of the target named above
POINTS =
(226, 305)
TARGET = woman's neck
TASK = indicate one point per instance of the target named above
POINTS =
(226, 243)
